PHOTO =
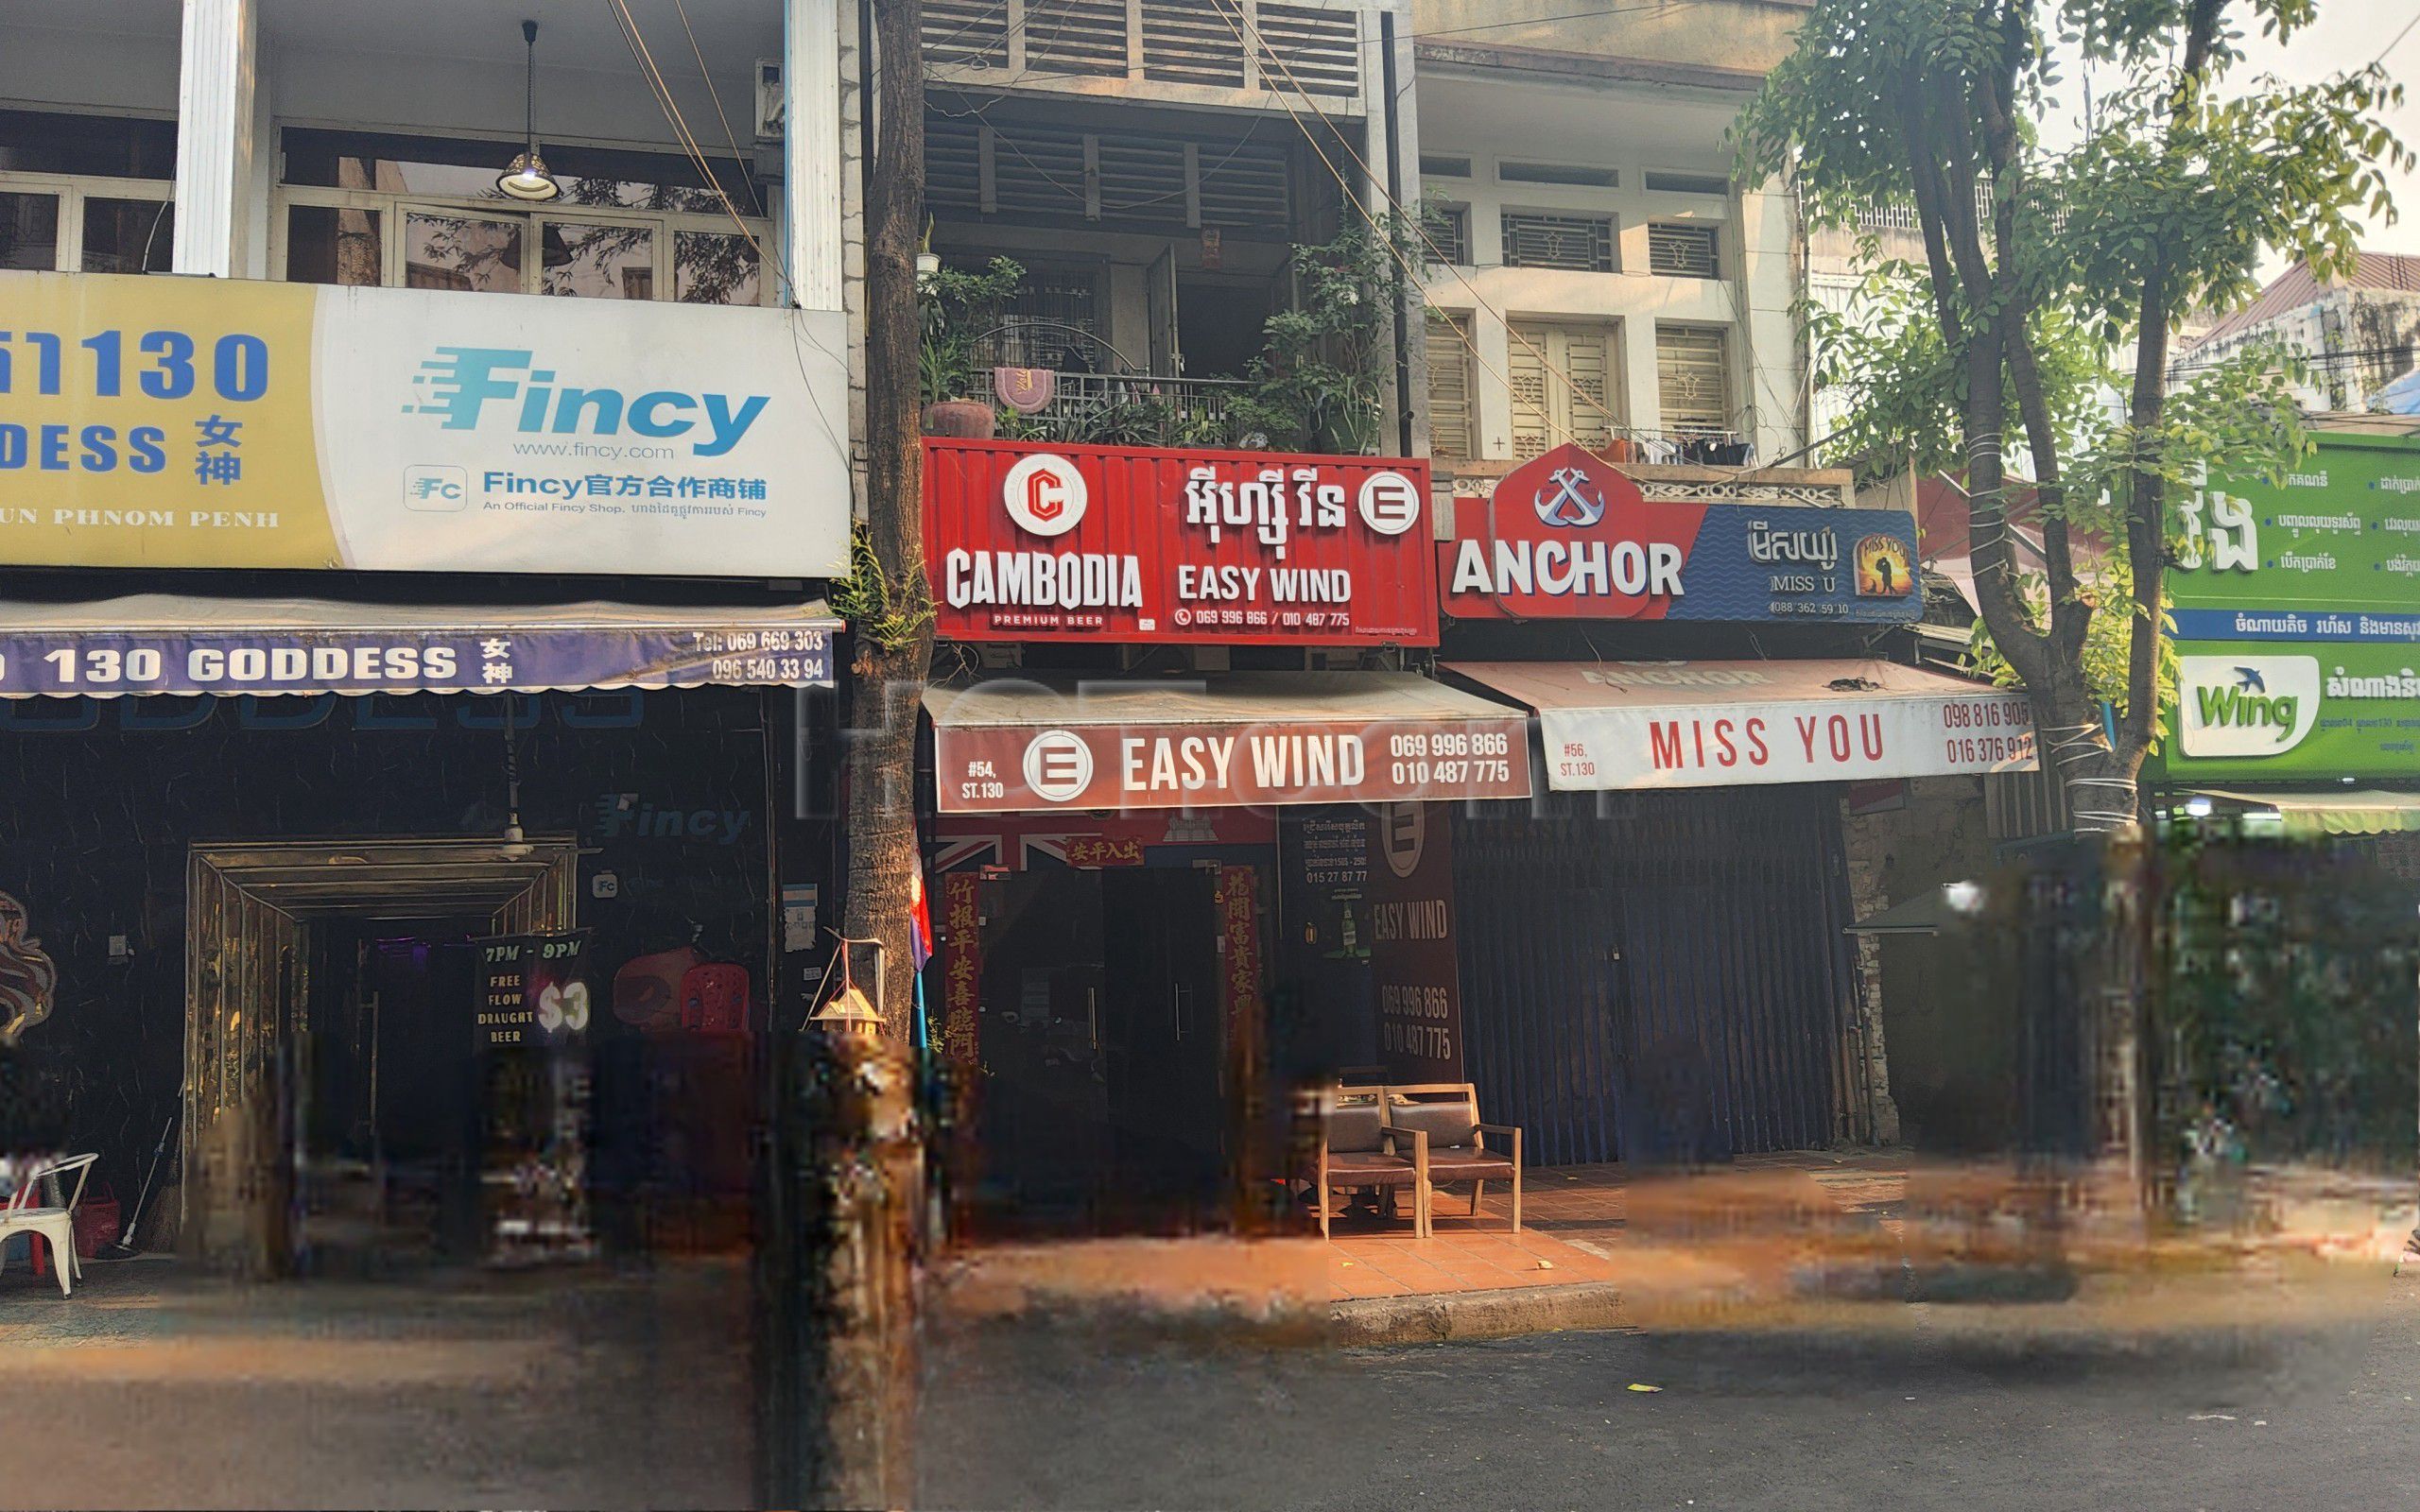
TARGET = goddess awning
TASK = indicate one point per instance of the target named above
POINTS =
(1721, 724)
(175, 644)
(1219, 739)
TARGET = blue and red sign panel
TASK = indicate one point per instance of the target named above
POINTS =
(1567, 537)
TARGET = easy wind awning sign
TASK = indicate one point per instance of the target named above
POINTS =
(166, 643)
(1722, 724)
(1225, 739)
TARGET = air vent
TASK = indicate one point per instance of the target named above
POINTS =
(1565, 173)
(1582, 244)
(1025, 171)
(1660, 181)
(1193, 41)
(1684, 251)
(1076, 37)
(966, 33)
(1321, 50)
(1442, 165)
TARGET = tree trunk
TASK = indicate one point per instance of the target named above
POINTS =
(892, 661)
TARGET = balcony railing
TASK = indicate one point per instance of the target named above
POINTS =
(1138, 410)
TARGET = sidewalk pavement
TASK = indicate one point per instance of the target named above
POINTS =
(1780, 1237)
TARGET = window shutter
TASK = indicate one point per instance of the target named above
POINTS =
(1587, 361)
(1532, 421)
(1579, 244)
(1684, 251)
(1693, 377)
(1449, 388)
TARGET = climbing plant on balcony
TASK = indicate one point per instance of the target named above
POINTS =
(1320, 381)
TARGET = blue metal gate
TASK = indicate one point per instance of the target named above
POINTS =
(1658, 975)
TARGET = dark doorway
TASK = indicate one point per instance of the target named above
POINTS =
(1104, 1044)
(1219, 325)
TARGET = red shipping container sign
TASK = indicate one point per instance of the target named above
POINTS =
(1027, 542)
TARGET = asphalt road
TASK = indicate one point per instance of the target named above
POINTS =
(1916, 1415)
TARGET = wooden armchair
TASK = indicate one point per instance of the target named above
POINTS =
(1459, 1146)
(1357, 1150)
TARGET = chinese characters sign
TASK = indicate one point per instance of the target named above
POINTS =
(1111, 543)
(1567, 535)
(419, 652)
(165, 423)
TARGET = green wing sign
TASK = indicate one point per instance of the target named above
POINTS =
(2297, 615)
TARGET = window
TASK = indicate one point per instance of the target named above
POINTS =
(1693, 377)
(1562, 386)
(86, 193)
(1450, 422)
(1564, 173)
(375, 211)
(1662, 182)
(1582, 244)
(1449, 232)
(1054, 321)
(1445, 166)
(1684, 251)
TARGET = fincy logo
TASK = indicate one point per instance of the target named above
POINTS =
(2246, 705)
(461, 382)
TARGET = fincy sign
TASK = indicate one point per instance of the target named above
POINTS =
(461, 382)
(176, 422)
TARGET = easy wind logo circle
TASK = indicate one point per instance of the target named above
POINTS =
(1045, 494)
(1390, 504)
(1567, 499)
(1058, 765)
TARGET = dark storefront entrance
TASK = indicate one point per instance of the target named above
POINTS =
(1107, 1047)
(1658, 976)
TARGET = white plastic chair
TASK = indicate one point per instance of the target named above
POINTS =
(56, 1225)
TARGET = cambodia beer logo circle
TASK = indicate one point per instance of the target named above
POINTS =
(1045, 494)
(2245, 705)
(1058, 765)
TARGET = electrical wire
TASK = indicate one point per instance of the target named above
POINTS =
(1541, 21)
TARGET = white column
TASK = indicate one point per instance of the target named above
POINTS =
(1644, 410)
(215, 86)
(811, 151)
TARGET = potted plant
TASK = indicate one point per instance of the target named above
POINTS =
(959, 309)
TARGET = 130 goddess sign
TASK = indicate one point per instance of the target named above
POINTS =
(1109, 543)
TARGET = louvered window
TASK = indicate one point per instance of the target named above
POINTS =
(1193, 41)
(966, 33)
(1562, 386)
(1684, 251)
(1076, 37)
(1321, 50)
(1582, 244)
(1451, 426)
(1027, 171)
(1450, 233)
(1693, 377)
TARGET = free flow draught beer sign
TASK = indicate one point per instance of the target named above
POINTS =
(1029, 542)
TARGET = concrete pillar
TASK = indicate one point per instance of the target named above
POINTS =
(811, 87)
(1645, 408)
(217, 126)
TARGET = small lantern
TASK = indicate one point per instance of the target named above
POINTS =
(850, 1015)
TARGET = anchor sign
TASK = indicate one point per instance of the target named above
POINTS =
(1568, 500)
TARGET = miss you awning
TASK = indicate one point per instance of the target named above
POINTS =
(1722, 724)
(174, 644)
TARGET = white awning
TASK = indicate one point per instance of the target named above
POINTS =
(176, 643)
(1723, 723)
(1042, 743)
(2350, 811)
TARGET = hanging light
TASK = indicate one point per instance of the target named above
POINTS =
(527, 177)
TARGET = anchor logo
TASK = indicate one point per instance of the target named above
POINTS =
(1573, 503)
